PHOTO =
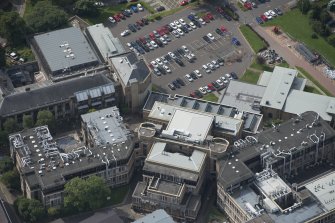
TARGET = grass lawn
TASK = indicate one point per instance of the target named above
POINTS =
(210, 97)
(308, 76)
(254, 40)
(118, 194)
(312, 89)
(250, 77)
(297, 25)
(261, 67)
(284, 64)
(160, 15)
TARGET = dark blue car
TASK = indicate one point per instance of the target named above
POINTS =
(235, 41)
(134, 8)
(259, 20)
(191, 17)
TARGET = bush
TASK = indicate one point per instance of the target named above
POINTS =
(30, 210)
(53, 212)
(331, 40)
(260, 60)
(314, 36)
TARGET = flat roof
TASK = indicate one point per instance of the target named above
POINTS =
(278, 87)
(193, 125)
(192, 163)
(158, 216)
(65, 48)
(296, 103)
(244, 96)
(107, 44)
(264, 78)
(323, 190)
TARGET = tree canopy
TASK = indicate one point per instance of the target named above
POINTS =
(6, 164)
(45, 17)
(10, 125)
(13, 28)
(30, 210)
(45, 117)
(11, 179)
(2, 57)
(86, 8)
(82, 195)
(27, 121)
(304, 6)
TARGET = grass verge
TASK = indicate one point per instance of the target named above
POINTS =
(312, 79)
(312, 89)
(298, 26)
(250, 77)
(261, 67)
(256, 43)
(118, 194)
(239, 4)
(160, 15)
(210, 97)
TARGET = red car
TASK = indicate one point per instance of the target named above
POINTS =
(263, 17)
(248, 5)
(192, 95)
(120, 15)
(209, 16)
(140, 23)
(182, 3)
(161, 31)
(206, 19)
(223, 29)
(117, 18)
(142, 40)
(211, 87)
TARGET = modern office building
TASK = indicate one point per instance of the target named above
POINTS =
(45, 167)
(271, 176)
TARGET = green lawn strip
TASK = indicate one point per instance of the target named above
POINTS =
(254, 40)
(298, 27)
(170, 12)
(118, 194)
(312, 89)
(284, 64)
(210, 97)
(261, 67)
(312, 79)
(250, 77)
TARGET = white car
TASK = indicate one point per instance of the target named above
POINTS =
(125, 33)
(185, 49)
(153, 44)
(202, 21)
(130, 47)
(211, 66)
(207, 89)
(272, 13)
(173, 25)
(172, 55)
(163, 40)
(203, 90)
(192, 25)
(228, 76)
(175, 33)
(180, 32)
(164, 60)
(197, 72)
(140, 7)
(167, 69)
(224, 80)
(167, 38)
(206, 68)
(100, 4)
(268, 15)
(188, 77)
(210, 36)
(111, 19)
(219, 82)
(154, 64)
(215, 64)
(159, 62)
(181, 21)
(177, 24)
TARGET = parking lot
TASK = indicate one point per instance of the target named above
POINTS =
(220, 47)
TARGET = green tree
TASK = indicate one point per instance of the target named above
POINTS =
(13, 28)
(27, 121)
(315, 12)
(331, 40)
(304, 6)
(11, 179)
(63, 3)
(10, 125)
(44, 17)
(3, 139)
(45, 117)
(53, 212)
(6, 164)
(30, 210)
(82, 195)
(2, 57)
(91, 110)
(85, 8)
(320, 28)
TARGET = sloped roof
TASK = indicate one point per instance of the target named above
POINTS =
(29, 100)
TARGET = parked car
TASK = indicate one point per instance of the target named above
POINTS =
(218, 31)
(180, 81)
(207, 69)
(264, 18)
(179, 62)
(183, 3)
(111, 19)
(278, 11)
(167, 68)
(197, 72)
(160, 8)
(188, 77)
(209, 16)
(140, 7)
(210, 36)
(134, 8)
(171, 86)
(234, 75)
(203, 90)
(125, 33)
(259, 20)
(132, 28)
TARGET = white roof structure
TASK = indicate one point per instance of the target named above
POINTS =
(192, 163)
(158, 216)
(278, 87)
(323, 190)
(193, 125)
(298, 102)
